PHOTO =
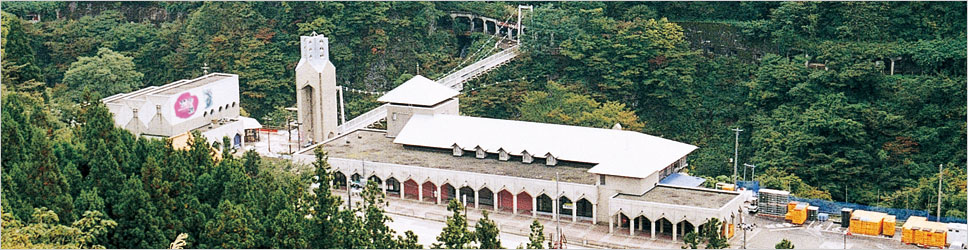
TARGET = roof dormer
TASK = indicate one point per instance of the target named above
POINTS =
(550, 159)
(526, 157)
(503, 154)
(457, 150)
(481, 154)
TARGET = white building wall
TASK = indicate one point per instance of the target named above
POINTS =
(458, 179)
(398, 115)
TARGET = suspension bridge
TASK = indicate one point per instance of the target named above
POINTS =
(457, 77)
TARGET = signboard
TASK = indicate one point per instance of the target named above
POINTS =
(568, 206)
(202, 101)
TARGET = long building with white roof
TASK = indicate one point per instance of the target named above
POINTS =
(208, 104)
(429, 152)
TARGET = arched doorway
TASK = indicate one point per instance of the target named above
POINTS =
(505, 200)
(393, 187)
(545, 204)
(429, 191)
(339, 180)
(411, 190)
(564, 212)
(524, 202)
(584, 208)
(448, 193)
(467, 195)
(378, 181)
(486, 197)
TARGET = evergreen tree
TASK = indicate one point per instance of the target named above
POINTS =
(326, 204)
(455, 234)
(784, 244)
(138, 226)
(19, 68)
(378, 234)
(487, 234)
(537, 238)
(232, 227)
(45, 231)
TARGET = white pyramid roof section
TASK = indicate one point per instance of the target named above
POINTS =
(616, 152)
(419, 91)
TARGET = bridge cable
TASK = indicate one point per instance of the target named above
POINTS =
(467, 59)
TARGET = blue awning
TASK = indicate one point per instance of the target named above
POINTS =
(679, 179)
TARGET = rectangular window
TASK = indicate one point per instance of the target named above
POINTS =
(601, 180)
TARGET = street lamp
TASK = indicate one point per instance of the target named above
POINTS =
(746, 227)
(289, 132)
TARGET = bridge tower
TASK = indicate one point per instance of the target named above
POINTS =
(316, 89)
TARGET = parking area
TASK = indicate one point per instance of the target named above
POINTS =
(812, 235)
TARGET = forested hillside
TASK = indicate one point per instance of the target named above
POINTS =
(863, 99)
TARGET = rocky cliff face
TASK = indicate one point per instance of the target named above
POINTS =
(133, 11)
(723, 39)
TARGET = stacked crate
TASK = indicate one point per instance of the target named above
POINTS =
(867, 222)
(773, 202)
(917, 230)
(797, 212)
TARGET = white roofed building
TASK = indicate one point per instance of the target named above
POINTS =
(208, 104)
(429, 152)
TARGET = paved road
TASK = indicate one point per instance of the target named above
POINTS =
(427, 231)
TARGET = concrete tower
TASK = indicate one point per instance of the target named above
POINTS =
(316, 89)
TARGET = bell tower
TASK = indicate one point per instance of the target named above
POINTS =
(316, 89)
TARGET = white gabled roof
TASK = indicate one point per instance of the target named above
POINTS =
(616, 152)
(419, 91)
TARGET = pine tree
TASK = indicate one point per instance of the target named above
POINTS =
(231, 228)
(326, 206)
(455, 234)
(378, 234)
(537, 237)
(487, 234)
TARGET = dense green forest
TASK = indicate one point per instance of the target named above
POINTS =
(864, 99)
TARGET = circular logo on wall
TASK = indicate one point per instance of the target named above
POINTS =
(185, 105)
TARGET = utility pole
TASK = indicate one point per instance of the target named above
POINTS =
(736, 153)
(289, 131)
(940, 174)
(297, 123)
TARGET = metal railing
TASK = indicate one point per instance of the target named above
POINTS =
(361, 121)
(456, 80)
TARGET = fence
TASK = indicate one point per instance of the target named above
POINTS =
(834, 207)
(749, 185)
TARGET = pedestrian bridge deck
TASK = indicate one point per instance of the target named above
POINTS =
(371, 145)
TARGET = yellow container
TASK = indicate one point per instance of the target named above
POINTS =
(910, 228)
(867, 222)
(889, 226)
